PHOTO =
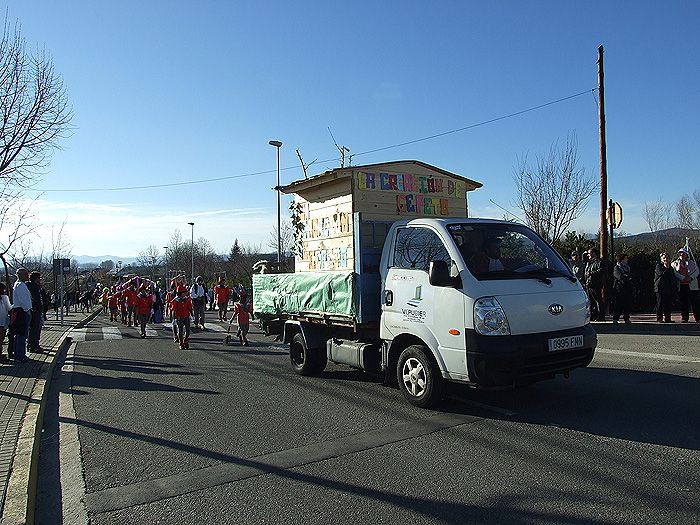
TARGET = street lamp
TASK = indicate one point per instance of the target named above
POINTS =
(192, 272)
(278, 145)
(165, 281)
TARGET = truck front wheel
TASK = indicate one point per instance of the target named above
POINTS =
(306, 361)
(418, 377)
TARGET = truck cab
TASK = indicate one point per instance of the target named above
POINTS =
(483, 302)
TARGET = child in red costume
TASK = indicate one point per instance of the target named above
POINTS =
(240, 312)
(143, 305)
(221, 295)
(181, 307)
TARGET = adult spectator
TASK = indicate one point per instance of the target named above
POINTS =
(687, 271)
(5, 308)
(22, 314)
(198, 293)
(622, 284)
(37, 321)
(665, 287)
(593, 276)
(577, 266)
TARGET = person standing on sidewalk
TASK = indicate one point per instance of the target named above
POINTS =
(37, 321)
(594, 285)
(622, 284)
(688, 274)
(22, 313)
(198, 293)
(5, 308)
(665, 287)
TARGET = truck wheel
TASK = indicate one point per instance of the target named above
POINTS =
(418, 377)
(306, 361)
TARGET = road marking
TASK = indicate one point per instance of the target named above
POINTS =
(150, 332)
(111, 332)
(498, 410)
(70, 460)
(214, 327)
(235, 468)
(78, 334)
(664, 357)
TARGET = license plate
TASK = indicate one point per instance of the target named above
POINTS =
(565, 343)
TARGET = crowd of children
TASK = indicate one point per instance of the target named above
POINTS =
(138, 301)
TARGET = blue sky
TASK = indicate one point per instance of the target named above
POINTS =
(170, 91)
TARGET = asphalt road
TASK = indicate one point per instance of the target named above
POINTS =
(228, 434)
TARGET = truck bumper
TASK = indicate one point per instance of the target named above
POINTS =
(506, 361)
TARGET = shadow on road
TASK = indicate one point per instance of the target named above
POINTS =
(648, 407)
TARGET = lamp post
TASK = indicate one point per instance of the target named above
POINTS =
(278, 145)
(166, 284)
(192, 269)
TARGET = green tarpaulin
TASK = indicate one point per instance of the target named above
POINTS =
(305, 292)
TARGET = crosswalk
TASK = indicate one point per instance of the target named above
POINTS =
(108, 333)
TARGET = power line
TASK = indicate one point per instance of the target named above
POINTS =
(267, 172)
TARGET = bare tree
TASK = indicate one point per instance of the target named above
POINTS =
(148, 257)
(658, 215)
(688, 211)
(286, 238)
(16, 223)
(555, 191)
(34, 108)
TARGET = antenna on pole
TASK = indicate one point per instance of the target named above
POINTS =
(342, 149)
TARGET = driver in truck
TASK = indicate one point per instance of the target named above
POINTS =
(489, 260)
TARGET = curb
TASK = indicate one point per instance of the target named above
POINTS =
(20, 499)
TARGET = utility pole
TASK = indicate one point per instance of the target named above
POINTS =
(603, 178)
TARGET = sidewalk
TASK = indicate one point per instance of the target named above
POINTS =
(646, 323)
(21, 391)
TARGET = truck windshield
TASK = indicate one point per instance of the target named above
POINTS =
(506, 251)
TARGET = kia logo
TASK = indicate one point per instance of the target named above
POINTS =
(555, 309)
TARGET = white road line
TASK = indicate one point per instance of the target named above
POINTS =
(111, 332)
(150, 332)
(214, 327)
(78, 334)
(664, 357)
(70, 459)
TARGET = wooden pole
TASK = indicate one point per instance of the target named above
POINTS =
(603, 176)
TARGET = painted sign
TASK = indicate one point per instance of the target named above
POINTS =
(415, 194)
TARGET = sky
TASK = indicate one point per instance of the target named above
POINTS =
(172, 91)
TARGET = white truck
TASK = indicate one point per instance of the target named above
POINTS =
(482, 302)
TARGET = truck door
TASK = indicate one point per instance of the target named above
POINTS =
(410, 304)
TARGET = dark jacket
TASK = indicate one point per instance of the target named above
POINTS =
(665, 281)
(622, 279)
(594, 274)
(37, 301)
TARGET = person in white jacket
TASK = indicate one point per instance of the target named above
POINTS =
(199, 301)
(688, 285)
(5, 308)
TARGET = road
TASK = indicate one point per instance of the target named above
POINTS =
(228, 434)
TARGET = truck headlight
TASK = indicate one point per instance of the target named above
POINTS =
(489, 317)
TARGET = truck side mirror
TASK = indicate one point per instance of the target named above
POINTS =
(439, 274)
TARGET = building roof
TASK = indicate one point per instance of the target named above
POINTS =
(341, 173)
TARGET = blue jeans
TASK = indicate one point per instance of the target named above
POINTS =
(19, 344)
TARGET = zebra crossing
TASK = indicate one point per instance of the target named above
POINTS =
(110, 333)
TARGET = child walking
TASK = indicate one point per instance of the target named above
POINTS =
(240, 313)
(181, 307)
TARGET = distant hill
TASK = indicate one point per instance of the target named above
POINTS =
(671, 233)
(97, 259)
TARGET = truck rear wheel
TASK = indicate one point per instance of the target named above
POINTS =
(306, 361)
(418, 377)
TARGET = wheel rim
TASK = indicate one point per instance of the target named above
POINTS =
(297, 354)
(414, 377)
